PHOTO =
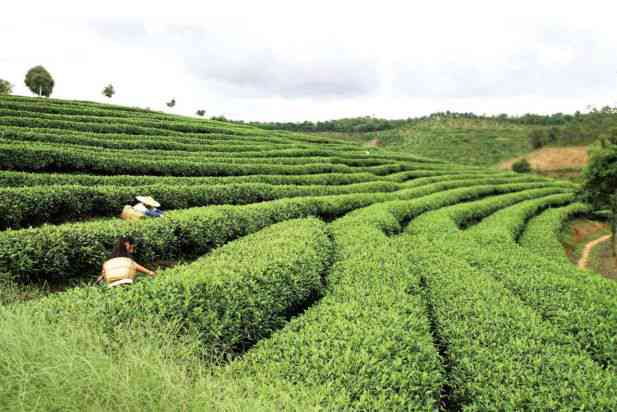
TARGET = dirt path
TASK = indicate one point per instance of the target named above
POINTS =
(584, 261)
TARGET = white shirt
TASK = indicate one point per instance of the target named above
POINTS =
(140, 207)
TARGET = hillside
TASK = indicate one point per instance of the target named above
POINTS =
(479, 142)
(485, 142)
(308, 272)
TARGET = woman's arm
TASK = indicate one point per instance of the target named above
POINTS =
(142, 269)
(101, 276)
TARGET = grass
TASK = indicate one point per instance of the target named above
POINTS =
(572, 175)
(602, 260)
(73, 365)
(476, 142)
(464, 141)
(12, 292)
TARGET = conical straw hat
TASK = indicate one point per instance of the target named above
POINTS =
(148, 201)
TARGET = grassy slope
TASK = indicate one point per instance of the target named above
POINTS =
(466, 141)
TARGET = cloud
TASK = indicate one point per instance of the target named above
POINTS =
(250, 66)
(315, 60)
(119, 30)
(552, 62)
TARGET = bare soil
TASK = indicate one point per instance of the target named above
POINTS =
(549, 159)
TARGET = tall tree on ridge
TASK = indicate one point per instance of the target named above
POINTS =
(39, 81)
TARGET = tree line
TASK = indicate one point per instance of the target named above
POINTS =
(366, 124)
(41, 83)
(560, 128)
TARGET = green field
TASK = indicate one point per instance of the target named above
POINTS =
(311, 272)
(480, 142)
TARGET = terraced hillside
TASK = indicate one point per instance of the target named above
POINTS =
(314, 275)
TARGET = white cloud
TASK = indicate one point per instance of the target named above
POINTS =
(316, 60)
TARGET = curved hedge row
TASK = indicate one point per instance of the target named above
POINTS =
(24, 157)
(34, 206)
(25, 179)
(541, 235)
(144, 126)
(204, 152)
(273, 159)
(502, 355)
(260, 152)
(85, 105)
(474, 318)
(232, 297)
(132, 149)
(401, 333)
(170, 123)
(110, 141)
(577, 304)
(449, 221)
(100, 110)
(66, 108)
(377, 284)
(78, 249)
(180, 138)
(173, 124)
(367, 345)
(104, 126)
(180, 141)
(508, 224)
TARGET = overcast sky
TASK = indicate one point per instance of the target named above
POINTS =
(318, 60)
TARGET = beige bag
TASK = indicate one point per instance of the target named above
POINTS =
(130, 214)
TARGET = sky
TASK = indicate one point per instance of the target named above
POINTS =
(319, 60)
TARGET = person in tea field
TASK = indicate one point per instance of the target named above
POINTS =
(121, 269)
(147, 207)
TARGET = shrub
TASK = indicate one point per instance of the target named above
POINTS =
(521, 166)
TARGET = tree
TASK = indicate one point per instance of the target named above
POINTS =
(39, 81)
(600, 185)
(553, 134)
(5, 87)
(537, 138)
(609, 137)
(200, 112)
(171, 103)
(109, 91)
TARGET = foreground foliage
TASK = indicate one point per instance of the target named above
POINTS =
(310, 273)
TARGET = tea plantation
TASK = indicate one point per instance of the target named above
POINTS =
(311, 274)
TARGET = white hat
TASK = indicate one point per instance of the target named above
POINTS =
(148, 201)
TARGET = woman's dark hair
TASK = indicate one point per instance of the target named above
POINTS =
(120, 249)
